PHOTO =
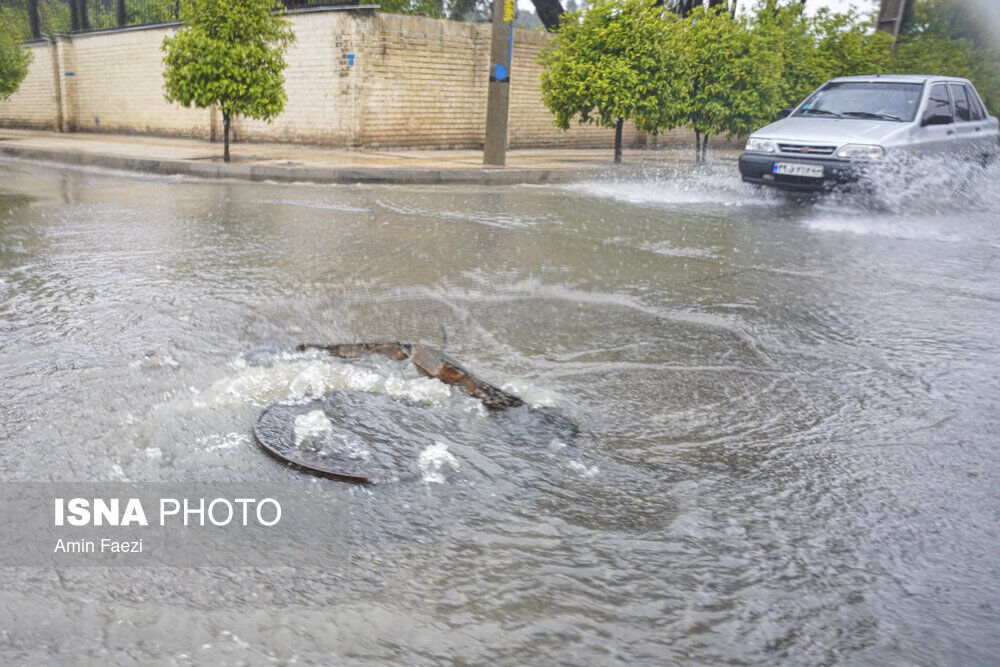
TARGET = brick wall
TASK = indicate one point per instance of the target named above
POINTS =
(424, 82)
(117, 86)
(415, 82)
(34, 105)
(323, 88)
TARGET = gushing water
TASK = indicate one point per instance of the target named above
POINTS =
(783, 435)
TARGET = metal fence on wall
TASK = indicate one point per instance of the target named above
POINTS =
(32, 19)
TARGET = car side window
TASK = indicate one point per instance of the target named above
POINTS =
(961, 102)
(938, 102)
(975, 107)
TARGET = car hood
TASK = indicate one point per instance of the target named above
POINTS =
(833, 131)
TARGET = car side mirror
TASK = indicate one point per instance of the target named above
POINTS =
(938, 119)
(784, 113)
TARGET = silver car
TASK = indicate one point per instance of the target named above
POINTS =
(852, 123)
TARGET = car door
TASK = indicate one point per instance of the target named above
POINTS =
(936, 135)
(983, 136)
(965, 128)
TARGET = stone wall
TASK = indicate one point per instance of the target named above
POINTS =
(414, 82)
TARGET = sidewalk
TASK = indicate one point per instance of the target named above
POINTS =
(293, 162)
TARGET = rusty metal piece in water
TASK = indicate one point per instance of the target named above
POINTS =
(432, 362)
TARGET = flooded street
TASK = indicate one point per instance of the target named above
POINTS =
(787, 415)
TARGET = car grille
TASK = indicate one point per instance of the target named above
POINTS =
(806, 149)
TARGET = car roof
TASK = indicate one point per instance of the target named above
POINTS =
(901, 78)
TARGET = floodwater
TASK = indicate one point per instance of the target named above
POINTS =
(789, 415)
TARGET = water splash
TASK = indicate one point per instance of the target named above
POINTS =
(308, 376)
(312, 425)
(886, 226)
(717, 184)
(434, 460)
(918, 200)
(584, 470)
(313, 429)
(928, 185)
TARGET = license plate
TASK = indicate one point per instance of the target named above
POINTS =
(798, 169)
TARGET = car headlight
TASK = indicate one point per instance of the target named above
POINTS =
(861, 151)
(760, 145)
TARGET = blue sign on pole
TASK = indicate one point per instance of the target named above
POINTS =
(350, 59)
(500, 73)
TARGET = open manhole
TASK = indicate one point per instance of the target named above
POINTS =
(366, 437)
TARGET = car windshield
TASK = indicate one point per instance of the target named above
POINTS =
(871, 100)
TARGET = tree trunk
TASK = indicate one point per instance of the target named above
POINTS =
(618, 140)
(704, 147)
(685, 7)
(548, 11)
(460, 8)
(697, 147)
(225, 134)
(84, 19)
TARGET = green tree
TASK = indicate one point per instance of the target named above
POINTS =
(616, 61)
(431, 8)
(230, 53)
(732, 76)
(14, 58)
(848, 44)
(788, 31)
(814, 49)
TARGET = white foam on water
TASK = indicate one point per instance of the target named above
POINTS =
(495, 219)
(666, 249)
(305, 378)
(583, 470)
(422, 390)
(314, 428)
(311, 425)
(434, 460)
(886, 226)
(556, 446)
(322, 205)
(216, 442)
(532, 394)
(155, 361)
(354, 449)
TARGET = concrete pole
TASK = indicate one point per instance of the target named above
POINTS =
(890, 18)
(495, 143)
(34, 20)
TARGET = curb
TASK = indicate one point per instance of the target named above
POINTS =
(326, 175)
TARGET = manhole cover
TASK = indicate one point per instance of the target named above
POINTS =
(359, 436)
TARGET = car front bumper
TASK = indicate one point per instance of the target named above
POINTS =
(759, 168)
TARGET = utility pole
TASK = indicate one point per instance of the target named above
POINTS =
(34, 20)
(502, 43)
(890, 18)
